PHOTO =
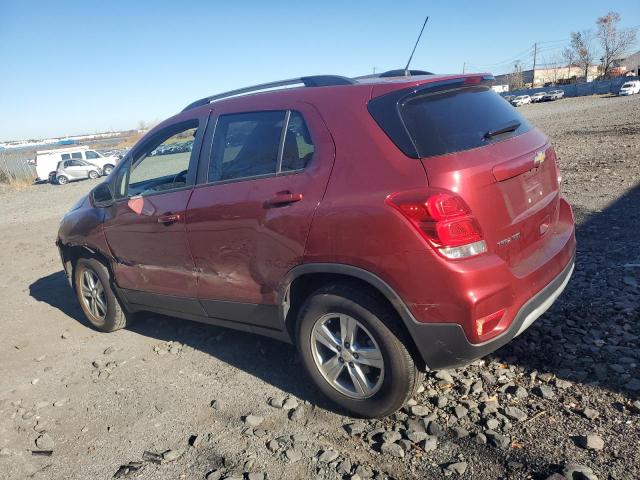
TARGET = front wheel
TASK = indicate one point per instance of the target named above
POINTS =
(93, 174)
(347, 344)
(107, 169)
(62, 180)
(102, 308)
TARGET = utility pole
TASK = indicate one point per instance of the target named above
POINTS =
(535, 54)
(464, 64)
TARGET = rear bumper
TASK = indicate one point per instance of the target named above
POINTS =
(445, 345)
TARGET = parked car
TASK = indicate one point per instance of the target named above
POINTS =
(630, 88)
(367, 222)
(556, 94)
(46, 161)
(508, 98)
(71, 170)
(537, 97)
(521, 100)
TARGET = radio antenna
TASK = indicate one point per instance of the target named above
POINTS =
(406, 69)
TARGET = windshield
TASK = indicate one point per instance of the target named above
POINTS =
(460, 119)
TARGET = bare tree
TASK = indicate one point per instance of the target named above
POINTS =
(516, 78)
(568, 56)
(582, 50)
(614, 42)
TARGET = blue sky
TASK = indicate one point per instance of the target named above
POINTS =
(71, 67)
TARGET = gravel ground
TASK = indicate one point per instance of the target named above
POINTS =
(169, 398)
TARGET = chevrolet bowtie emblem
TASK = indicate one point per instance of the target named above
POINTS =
(539, 158)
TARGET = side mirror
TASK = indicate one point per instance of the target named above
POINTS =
(101, 196)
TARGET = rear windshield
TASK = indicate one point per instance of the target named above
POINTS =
(461, 119)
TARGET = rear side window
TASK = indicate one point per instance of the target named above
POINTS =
(66, 156)
(255, 144)
(76, 155)
(460, 119)
(298, 146)
(91, 155)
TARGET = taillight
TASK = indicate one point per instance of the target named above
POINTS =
(444, 220)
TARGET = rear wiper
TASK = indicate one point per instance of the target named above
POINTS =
(509, 127)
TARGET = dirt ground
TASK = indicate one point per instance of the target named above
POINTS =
(557, 400)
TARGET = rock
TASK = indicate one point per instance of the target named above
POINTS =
(420, 410)
(5, 452)
(172, 455)
(296, 414)
(327, 456)
(256, 476)
(416, 437)
(40, 358)
(364, 471)
(253, 420)
(497, 440)
(555, 476)
(578, 472)
(109, 350)
(590, 413)
(434, 428)
(480, 438)
(391, 437)
(392, 449)
(635, 406)
(460, 411)
(460, 432)
(518, 391)
(276, 402)
(590, 442)
(60, 403)
(458, 468)
(65, 335)
(45, 442)
(429, 444)
(492, 423)
(515, 413)
(195, 440)
(633, 385)
(444, 375)
(215, 404)
(344, 467)
(290, 403)
(563, 384)
(354, 428)
(214, 475)
(34, 381)
(273, 445)
(545, 392)
(293, 455)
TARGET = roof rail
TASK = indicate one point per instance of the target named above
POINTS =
(312, 81)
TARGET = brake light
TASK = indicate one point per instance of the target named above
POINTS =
(444, 220)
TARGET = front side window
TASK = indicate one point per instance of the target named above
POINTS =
(163, 165)
(89, 155)
(254, 144)
(66, 156)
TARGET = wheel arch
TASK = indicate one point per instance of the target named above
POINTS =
(304, 279)
(72, 253)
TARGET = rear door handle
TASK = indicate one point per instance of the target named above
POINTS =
(283, 198)
(169, 218)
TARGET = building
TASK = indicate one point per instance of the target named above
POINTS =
(548, 75)
(628, 66)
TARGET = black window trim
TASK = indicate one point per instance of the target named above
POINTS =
(201, 121)
(283, 135)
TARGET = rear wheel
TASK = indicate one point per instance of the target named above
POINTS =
(62, 180)
(93, 174)
(107, 169)
(94, 292)
(352, 354)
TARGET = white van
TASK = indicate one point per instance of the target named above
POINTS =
(46, 161)
(630, 88)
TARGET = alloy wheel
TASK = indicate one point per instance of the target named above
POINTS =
(347, 355)
(93, 294)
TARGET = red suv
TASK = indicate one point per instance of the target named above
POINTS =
(385, 225)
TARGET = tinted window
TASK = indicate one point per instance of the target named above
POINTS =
(246, 145)
(76, 155)
(164, 164)
(298, 146)
(66, 156)
(456, 120)
(89, 155)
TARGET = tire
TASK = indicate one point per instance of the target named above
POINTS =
(93, 174)
(61, 180)
(108, 314)
(107, 169)
(388, 387)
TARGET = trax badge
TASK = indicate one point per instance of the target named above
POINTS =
(539, 158)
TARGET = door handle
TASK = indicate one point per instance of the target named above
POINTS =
(281, 199)
(169, 218)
